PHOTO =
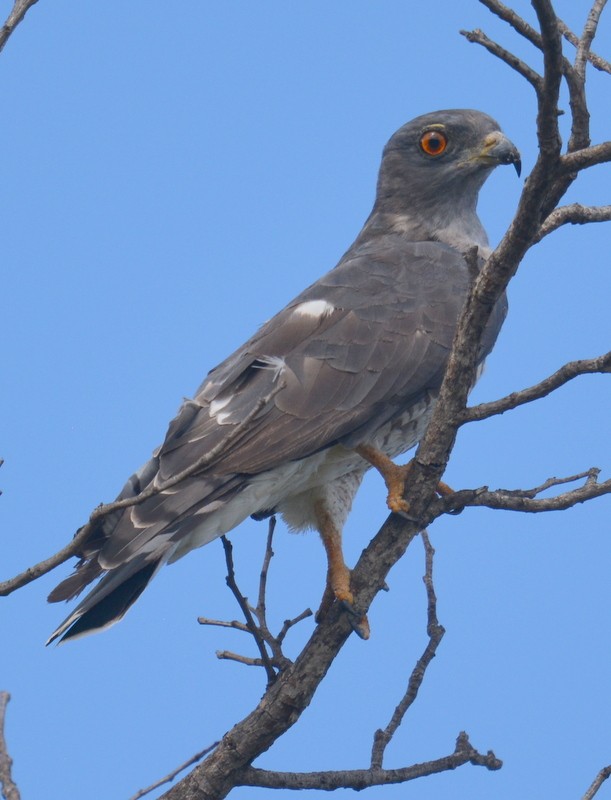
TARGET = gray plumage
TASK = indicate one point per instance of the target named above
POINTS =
(356, 358)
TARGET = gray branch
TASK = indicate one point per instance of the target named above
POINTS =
(597, 62)
(527, 500)
(567, 373)
(20, 9)
(598, 781)
(9, 788)
(587, 37)
(256, 617)
(573, 214)
(435, 633)
(587, 157)
(292, 692)
(171, 775)
(477, 36)
(359, 779)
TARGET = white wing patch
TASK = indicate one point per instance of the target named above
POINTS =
(218, 405)
(318, 309)
(275, 363)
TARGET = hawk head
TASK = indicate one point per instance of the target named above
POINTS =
(432, 170)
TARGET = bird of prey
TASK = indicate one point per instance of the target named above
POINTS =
(343, 378)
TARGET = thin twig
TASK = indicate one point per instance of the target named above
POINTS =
(587, 37)
(279, 660)
(573, 214)
(20, 8)
(435, 632)
(601, 364)
(9, 788)
(598, 781)
(258, 627)
(477, 36)
(575, 79)
(359, 779)
(171, 775)
(524, 29)
(597, 62)
(42, 567)
(527, 500)
(221, 623)
(289, 623)
(515, 20)
(249, 661)
(243, 603)
(590, 476)
(269, 554)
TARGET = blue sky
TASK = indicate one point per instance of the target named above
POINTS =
(172, 175)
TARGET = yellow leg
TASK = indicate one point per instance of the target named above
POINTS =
(394, 476)
(338, 575)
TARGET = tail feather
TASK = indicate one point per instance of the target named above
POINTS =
(109, 600)
(70, 587)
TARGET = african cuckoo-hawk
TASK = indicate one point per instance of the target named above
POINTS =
(345, 376)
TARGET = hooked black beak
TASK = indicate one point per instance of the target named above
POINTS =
(498, 149)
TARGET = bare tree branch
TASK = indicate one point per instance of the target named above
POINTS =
(545, 186)
(359, 779)
(547, 117)
(597, 62)
(171, 775)
(9, 788)
(435, 633)
(248, 661)
(20, 9)
(267, 559)
(586, 157)
(568, 372)
(279, 660)
(515, 20)
(573, 214)
(294, 689)
(32, 573)
(598, 781)
(290, 692)
(526, 499)
(222, 623)
(250, 623)
(477, 36)
(577, 98)
(524, 29)
(587, 37)
(289, 623)
(259, 629)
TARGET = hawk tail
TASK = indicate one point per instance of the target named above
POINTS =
(108, 602)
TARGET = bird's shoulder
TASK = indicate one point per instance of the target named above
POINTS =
(382, 280)
(390, 306)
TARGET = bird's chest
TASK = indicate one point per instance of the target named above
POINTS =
(406, 429)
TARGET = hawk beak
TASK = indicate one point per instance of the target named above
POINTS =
(498, 149)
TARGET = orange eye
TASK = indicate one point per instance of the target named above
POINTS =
(433, 142)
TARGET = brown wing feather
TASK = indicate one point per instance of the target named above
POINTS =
(383, 346)
(349, 371)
